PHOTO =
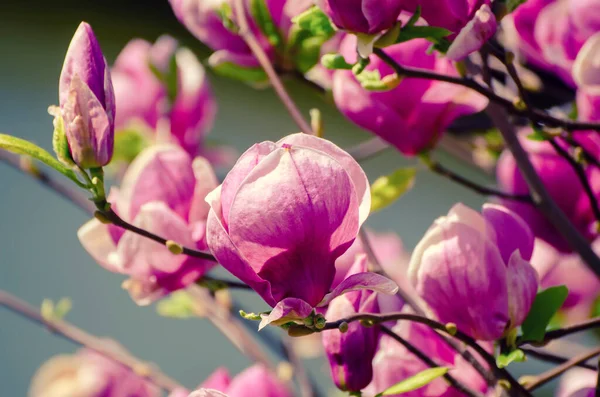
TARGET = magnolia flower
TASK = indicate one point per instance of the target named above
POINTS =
(162, 192)
(472, 269)
(475, 33)
(578, 383)
(412, 116)
(562, 183)
(186, 113)
(88, 374)
(350, 353)
(283, 215)
(362, 16)
(86, 115)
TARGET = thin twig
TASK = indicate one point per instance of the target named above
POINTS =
(219, 283)
(555, 372)
(368, 149)
(231, 327)
(72, 333)
(26, 165)
(305, 385)
(439, 169)
(118, 221)
(429, 362)
(246, 33)
(554, 358)
(537, 115)
(581, 175)
(569, 330)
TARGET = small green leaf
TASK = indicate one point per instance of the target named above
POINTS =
(387, 189)
(431, 33)
(128, 144)
(415, 382)
(262, 17)
(21, 146)
(335, 61)
(504, 359)
(545, 305)
(316, 22)
(512, 5)
(177, 305)
(233, 71)
(537, 135)
(414, 18)
(58, 311)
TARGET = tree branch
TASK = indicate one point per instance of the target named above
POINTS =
(246, 33)
(81, 337)
(430, 363)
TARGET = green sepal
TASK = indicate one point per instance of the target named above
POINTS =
(59, 139)
(387, 189)
(335, 61)
(504, 359)
(177, 305)
(264, 21)
(236, 72)
(415, 382)
(129, 143)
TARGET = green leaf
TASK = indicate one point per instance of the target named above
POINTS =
(177, 305)
(128, 144)
(21, 146)
(512, 5)
(262, 17)
(168, 78)
(316, 22)
(335, 61)
(415, 382)
(233, 71)
(431, 33)
(537, 135)
(414, 18)
(387, 189)
(51, 311)
(506, 358)
(545, 305)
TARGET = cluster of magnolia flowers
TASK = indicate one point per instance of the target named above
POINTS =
(286, 219)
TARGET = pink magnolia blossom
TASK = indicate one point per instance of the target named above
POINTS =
(163, 192)
(283, 215)
(89, 374)
(204, 19)
(562, 184)
(414, 115)
(255, 381)
(362, 16)
(142, 97)
(475, 33)
(550, 33)
(394, 363)
(578, 383)
(472, 269)
(350, 353)
(87, 103)
(556, 268)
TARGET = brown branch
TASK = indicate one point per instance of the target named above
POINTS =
(72, 333)
(424, 358)
(246, 33)
(554, 358)
(555, 372)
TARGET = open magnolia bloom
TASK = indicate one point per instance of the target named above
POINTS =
(472, 269)
(163, 192)
(283, 215)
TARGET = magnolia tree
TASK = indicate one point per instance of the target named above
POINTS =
(485, 287)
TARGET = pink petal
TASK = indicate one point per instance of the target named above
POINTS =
(362, 281)
(227, 253)
(289, 309)
(512, 233)
(239, 172)
(358, 176)
(97, 241)
(218, 380)
(206, 181)
(141, 256)
(160, 173)
(475, 33)
(207, 393)
(522, 282)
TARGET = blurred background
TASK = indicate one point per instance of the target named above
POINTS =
(40, 256)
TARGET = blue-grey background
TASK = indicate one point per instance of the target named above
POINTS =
(40, 256)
